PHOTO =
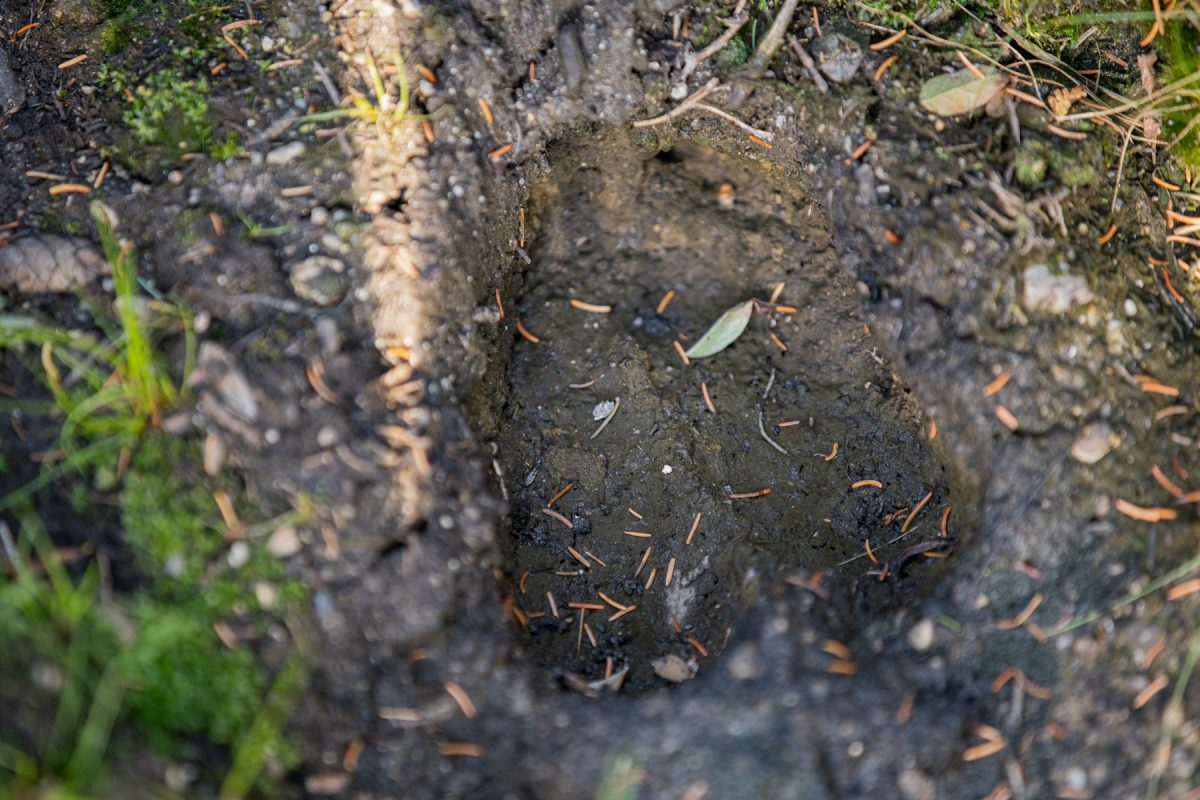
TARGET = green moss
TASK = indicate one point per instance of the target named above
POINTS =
(1030, 163)
(1180, 49)
(1071, 166)
(185, 681)
(171, 112)
(168, 517)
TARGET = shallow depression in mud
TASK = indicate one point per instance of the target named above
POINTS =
(652, 499)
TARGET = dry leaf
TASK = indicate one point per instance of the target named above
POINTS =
(961, 92)
(723, 332)
(1061, 100)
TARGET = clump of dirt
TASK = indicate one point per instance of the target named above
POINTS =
(807, 454)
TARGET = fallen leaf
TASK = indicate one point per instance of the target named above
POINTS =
(960, 92)
(723, 332)
(1061, 100)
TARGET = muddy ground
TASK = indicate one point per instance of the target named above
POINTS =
(920, 273)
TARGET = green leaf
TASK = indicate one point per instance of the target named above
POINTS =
(960, 92)
(724, 332)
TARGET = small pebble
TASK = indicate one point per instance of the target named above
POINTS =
(239, 555)
(285, 154)
(921, 636)
(284, 542)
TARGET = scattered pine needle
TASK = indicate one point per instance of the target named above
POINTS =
(461, 698)
(778, 342)
(1109, 234)
(981, 751)
(1065, 134)
(945, 519)
(670, 571)
(1146, 695)
(500, 151)
(695, 525)
(70, 62)
(866, 482)
(884, 44)
(1170, 187)
(487, 112)
(1025, 97)
(760, 142)
(999, 383)
(70, 188)
(841, 667)
(560, 494)
(576, 554)
(832, 453)
(913, 514)
(590, 307)
(1144, 514)
(682, 354)
(521, 330)
(1007, 418)
(586, 606)
(666, 300)
(550, 512)
(466, 749)
(1184, 589)
(642, 564)
(1154, 387)
(861, 150)
(974, 70)
(932, 430)
(1023, 617)
(638, 534)
(499, 303)
(1165, 482)
(707, 397)
(748, 495)
(882, 68)
(634, 513)
(696, 644)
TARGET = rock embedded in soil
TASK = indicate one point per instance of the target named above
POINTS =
(320, 280)
(50, 263)
(12, 93)
(838, 56)
(1047, 292)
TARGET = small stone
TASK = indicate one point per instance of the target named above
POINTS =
(285, 154)
(920, 637)
(1130, 308)
(267, 44)
(667, 469)
(320, 280)
(916, 785)
(178, 777)
(1054, 294)
(284, 542)
(1096, 441)
(838, 56)
(239, 555)
(327, 437)
(12, 94)
(265, 594)
(319, 215)
(672, 668)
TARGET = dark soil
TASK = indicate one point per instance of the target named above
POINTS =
(910, 269)
(622, 227)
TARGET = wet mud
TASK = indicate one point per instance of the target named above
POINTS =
(666, 241)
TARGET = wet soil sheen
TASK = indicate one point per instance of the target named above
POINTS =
(611, 226)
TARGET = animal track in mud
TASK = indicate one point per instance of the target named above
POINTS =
(796, 449)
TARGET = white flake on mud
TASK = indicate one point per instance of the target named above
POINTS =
(681, 593)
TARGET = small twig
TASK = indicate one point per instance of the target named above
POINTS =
(770, 383)
(734, 25)
(768, 439)
(684, 106)
(766, 51)
(809, 65)
(607, 419)
(764, 135)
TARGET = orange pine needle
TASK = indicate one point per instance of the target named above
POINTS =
(499, 303)
(913, 514)
(590, 307)
(974, 70)
(999, 383)
(695, 525)
(1170, 187)
(748, 495)
(884, 44)
(682, 354)
(561, 492)
(521, 330)
(882, 68)
(500, 151)
(707, 398)
(487, 112)
(867, 482)
(70, 62)
(666, 300)
(1007, 418)
(1143, 514)
(1108, 235)
(1023, 617)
